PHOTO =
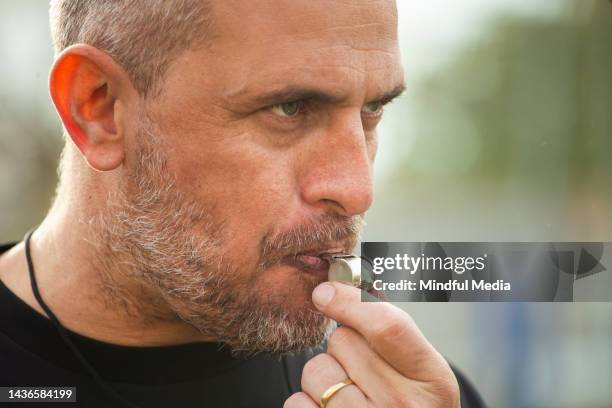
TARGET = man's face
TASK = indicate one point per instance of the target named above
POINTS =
(267, 139)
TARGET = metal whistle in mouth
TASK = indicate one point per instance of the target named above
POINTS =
(351, 269)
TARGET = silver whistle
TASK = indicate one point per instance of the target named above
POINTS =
(351, 269)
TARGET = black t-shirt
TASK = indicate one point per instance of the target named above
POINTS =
(32, 353)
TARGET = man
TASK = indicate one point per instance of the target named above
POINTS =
(216, 152)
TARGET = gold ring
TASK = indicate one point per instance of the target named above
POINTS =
(329, 393)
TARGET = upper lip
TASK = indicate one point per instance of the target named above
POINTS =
(325, 252)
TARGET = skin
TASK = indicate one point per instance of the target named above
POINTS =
(228, 143)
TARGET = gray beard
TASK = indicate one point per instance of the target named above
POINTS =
(168, 243)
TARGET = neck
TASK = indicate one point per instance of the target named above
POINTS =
(90, 295)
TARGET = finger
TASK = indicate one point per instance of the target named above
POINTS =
(390, 331)
(377, 379)
(300, 400)
(322, 372)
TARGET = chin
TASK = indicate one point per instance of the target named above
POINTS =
(273, 312)
(289, 286)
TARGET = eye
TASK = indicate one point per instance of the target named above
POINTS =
(372, 108)
(287, 109)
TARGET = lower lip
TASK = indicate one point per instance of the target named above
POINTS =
(311, 265)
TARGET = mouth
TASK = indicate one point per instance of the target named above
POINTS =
(316, 262)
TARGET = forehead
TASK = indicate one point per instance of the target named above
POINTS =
(354, 22)
(347, 45)
(321, 38)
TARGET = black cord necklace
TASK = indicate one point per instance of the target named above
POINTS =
(64, 334)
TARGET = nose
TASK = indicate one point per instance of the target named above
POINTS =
(339, 170)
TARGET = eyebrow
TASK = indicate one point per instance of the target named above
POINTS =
(392, 94)
(293, 93)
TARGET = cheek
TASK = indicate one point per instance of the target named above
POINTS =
(248, 189)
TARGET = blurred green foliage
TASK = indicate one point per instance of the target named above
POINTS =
(518, 123)
(531, 99)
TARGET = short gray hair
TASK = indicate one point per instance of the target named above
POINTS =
(144, 36)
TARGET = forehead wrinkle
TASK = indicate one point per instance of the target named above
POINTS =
(346, 69)
(382, 31)
(328, 79)
(354, 21)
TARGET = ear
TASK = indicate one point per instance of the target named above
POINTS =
(89, 90)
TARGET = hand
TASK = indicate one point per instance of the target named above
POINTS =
(380, 348)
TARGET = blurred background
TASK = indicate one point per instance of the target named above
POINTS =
(504, 134)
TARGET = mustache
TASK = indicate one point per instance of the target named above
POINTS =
(324, 232)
